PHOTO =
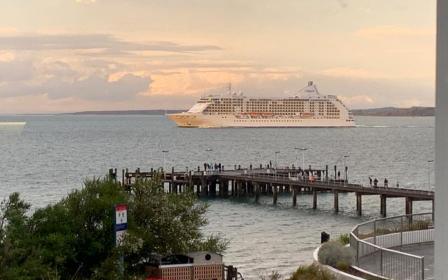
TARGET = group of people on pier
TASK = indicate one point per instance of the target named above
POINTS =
(302, 174)
(374, 182)
(213, 166)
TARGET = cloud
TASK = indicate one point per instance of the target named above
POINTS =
(8, 31)
(16, 70)
(357, 101)
(388, 31)
(347, 72)
(200, 80)
(342, 3)
(59, 70)
(91, 88)
(27, 104)
(7, 56)
(98, 88)
(85, 1)
(97, 43)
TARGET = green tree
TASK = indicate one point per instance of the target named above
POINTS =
(19, 258)
(73, 239)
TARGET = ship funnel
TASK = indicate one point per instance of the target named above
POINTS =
(310, 83)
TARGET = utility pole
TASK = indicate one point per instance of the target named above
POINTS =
(303, 155)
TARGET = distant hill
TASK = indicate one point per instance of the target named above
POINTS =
(127, 112)
(396, 112)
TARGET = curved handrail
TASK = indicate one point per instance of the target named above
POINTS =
(371, 248)
(390, 218)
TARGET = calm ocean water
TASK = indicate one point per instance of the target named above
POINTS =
(52, 155)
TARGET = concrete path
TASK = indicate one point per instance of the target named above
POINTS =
(372, 262)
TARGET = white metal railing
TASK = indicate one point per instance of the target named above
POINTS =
(372, 241)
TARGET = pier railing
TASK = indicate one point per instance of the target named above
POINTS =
(377, 245)
(254, 182)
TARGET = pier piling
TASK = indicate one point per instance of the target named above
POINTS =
(383, 205)
(274, 194)
(336, 201)
(294, 196)
(257, 192)
(409, 204)
(314, 198)
(358, 204)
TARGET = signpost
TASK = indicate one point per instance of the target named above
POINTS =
(121, 226)
(121, 223)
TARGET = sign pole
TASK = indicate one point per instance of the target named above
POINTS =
(120, 229)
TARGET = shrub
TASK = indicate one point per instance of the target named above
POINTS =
(344, 239)
(342, 265)
(419, 225)
(335, 254)
(311, 272)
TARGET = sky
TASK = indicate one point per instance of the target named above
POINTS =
(77, 55)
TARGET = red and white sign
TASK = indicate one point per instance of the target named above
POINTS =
(121, 214)
(121, 222)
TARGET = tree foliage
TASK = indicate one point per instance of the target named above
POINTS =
(73, 239)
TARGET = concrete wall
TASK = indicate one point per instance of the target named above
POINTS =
(394, 240)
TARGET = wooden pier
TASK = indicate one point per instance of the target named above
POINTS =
(254, 182)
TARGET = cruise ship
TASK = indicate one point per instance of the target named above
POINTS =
(308, 108)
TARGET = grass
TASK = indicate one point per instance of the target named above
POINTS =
(344, 239)
(407, 226)
(311, 272)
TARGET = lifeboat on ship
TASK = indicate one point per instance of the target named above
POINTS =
(307, 115)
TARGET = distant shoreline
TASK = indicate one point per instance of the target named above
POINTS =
(396, 112)
(377, 112)
(126, 112)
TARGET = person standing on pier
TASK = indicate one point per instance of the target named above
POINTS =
(370, 179)
(311, 178)
(375, 183)
(386, 183)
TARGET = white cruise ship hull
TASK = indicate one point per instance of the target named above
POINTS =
(211, 121)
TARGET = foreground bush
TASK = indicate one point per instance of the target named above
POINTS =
(73, 239)
(311, 272)
(344, 239)
(335, 254)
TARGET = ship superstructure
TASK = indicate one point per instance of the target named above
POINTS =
(306, 109)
